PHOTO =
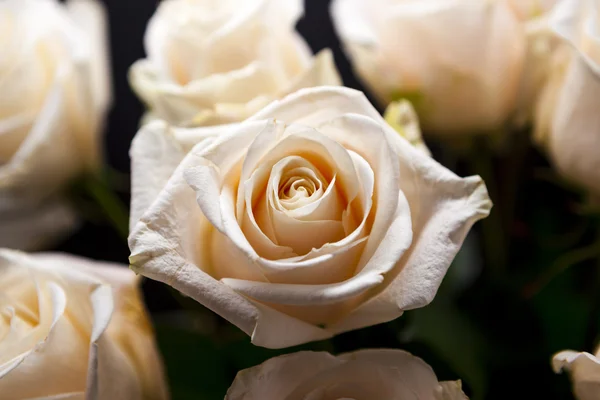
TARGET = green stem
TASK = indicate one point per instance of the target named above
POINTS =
(562, 264)
(494, 239)
(111, 205)
(513, 171)
(593, 331)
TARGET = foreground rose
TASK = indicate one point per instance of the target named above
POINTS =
(585, 372)
(53, 96)
(311, 218)
(215, 62)
(568, 118)
(362, 375)
(74, 329)
(459, 61)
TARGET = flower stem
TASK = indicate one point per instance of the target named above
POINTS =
(110, 204)
(562, 264)
(493, 232)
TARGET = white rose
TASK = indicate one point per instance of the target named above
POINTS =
(585, 372)
(54, 94)
(214, 62)
(364, 374)
(568, 112)
(311, 218)
(74, 329)
(458, 61)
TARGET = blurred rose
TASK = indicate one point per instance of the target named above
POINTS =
(219, 62)
(585, 372)
(74, 329)
(458, 61)
(364, 374)
(311, 218)
(53, 96)
(567, 115)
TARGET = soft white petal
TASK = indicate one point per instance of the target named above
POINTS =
(574, 137)
(110, 374)
(585, 372)
(278, 377)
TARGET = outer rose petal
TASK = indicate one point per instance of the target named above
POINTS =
(575, 132)
(170, 244)
(451, 390)
(585, 372)
(394, 374)
(568, 110)
(155, 153)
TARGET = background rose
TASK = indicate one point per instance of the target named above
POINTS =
(314, 217)
(219, 62)
(361, 375)
(585, 372)
(54, 85)
(74, 328)
(568, 116)
(458, 61)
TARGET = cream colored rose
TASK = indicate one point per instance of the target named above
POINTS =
(213, 63)
(311, 218)
(53, 96)
(74, 329)
(585, 372)
(567, 115)
(458, 61)
(361, 375)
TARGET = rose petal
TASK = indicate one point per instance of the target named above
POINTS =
(573, 138)
(584, 369)
(278, 377)
(57, 353)
(110, 373)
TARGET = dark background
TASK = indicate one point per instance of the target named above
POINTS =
(489, 333)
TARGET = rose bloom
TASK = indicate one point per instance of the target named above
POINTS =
(567, 115)
(212, 63)
(458, 61)
(54, 95)
(361, 375)
(585, 372)
(311, 218)
(71, 328)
